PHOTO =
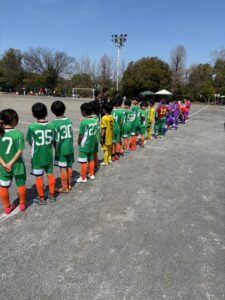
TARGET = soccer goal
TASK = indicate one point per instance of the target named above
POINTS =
(83, 93)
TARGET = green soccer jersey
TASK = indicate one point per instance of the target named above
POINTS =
(136, 109)
(88, 129)
(64, 136)
(10, 143)
(98, 135)
(118, 119)
(143, 118)
(129, 116)
(41, 135)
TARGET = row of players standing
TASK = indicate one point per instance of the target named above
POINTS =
(117, 131)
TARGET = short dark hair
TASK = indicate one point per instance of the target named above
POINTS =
(6, 118)
(108, 108)
(39, 110)
(97, 93)
(87, 108)
(143, 103)
(114, 102)
(58, 108)
(120, 101)
(152, 102)
(104, 90)
(127, 102)
(137, 99)
(95, 107)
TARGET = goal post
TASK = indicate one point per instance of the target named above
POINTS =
(83, 93)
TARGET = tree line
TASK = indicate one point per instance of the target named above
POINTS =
(56, 71)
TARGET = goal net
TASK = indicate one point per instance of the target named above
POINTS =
(83, 93)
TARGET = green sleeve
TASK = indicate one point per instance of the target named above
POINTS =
(29, 135)
(82, 128)
(21, 144)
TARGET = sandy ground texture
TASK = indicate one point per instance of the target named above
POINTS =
(151, 226)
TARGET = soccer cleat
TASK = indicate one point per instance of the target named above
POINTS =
(92, 177)
(81, 180)
(104, 164)
(52, 198)
(126, 151)
(39, 201)
(22, 207)
(8, 210)
(117, 157)
(114, 158)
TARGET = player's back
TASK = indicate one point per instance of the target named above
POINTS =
(88, 129)
(10, 143)
(107, 122)
(64, 135)
(41, 135)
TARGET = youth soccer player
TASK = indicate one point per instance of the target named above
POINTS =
(129, 117)
(95, 115)
(40, 136)
(118, 120)
(160, 123)
(87, 142)
(143, 122)
(11, 162)
(151, 119)
(106, 134)
(136, 124)
(64, 152)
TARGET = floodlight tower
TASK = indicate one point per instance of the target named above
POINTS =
(118, 40)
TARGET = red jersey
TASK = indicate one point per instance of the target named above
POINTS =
(162, 110)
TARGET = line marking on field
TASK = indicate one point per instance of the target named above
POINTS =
(198, 111)
(28, 123)
(158, 148)
(4, 217)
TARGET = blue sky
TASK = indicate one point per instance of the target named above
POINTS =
(84, 27)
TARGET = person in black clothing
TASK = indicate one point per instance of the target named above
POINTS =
(104, 99)
(97, 102)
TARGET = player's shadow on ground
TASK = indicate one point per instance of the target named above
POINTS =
(32, 192)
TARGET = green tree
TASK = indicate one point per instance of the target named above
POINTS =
(200, 81)
(146, 74)
(82, 80)
(219, 71)
(11, 70)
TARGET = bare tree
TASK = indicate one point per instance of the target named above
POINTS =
(83, 65)
(39, 60)
(105, 70)
(178, 61)
(49, 64)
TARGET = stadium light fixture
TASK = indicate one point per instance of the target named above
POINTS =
(118, 40)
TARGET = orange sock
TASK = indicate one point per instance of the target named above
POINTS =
(142, 139)
(133, 141)
(125, 143)
(4, 195)
(92, 167)
(96, 159)
(22, 191)
(83, 170)
(118, 148)
(69, 176)
(128, 143)
(51, 183)
(40, 186)
(64, 178)
(113, 149)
